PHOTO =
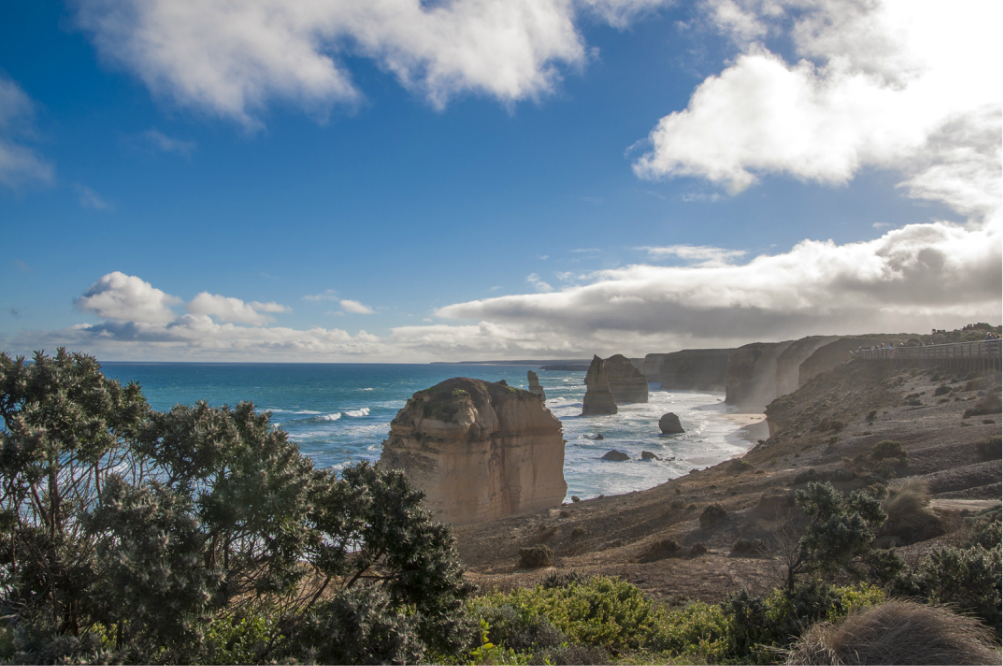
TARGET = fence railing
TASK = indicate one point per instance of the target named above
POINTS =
(982, 353)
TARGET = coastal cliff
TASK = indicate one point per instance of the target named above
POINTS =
(789, 362)
(479, 450)
(694, 369)
(837, 352)
(598, 396)
(627, 383)
(752, 374)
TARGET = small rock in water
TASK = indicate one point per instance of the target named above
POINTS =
(648, 455)
(669, 424)
(615, 455)
(599, 436)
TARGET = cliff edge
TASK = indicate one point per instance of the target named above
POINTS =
(479, 450)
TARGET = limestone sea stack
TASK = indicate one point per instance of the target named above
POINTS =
(479, 450)
(534, 385)
(669, 424)
(598, 396)
(627, 382)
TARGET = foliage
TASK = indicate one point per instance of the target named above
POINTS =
(712, 515)
(601, 612)
(202, 534)
(970, 578)
(888, 448)
(837, 533)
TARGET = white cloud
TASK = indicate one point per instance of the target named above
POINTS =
(700, 253)
(897, 282)
(88, 198)
(160, 141)
(228, 309)
(539, 284)
(327, 295)
(899, 85)
(127, 298)
(19, 164)
(356, 307)
(231, 59)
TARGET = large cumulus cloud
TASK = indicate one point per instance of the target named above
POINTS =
(232, 58)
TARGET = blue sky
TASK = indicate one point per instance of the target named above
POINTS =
(395, 181)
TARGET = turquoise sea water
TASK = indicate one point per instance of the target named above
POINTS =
(340, 413)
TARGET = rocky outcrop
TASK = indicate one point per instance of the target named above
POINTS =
(479, 450)
(534, 385)
(627, 382)
(695, 369)
(789, 362)
(669, 424)
(751, 382)
(598, 396)
(615, 456)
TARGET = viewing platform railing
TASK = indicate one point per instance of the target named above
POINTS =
(979, 355)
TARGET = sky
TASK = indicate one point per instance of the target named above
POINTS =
(405, 181)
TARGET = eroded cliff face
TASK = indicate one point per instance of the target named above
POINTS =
(752, 374)
(695, 369)
(837, 352)
(599, 398)
(479, 450)
(627, 383)
(789, 362)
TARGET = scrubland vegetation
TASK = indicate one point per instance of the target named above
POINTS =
(201, 535)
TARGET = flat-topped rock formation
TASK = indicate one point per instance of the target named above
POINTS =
(752, 374)
(627, 383)
(599, 398)
(534, 385)
(479, 450)
(695, 369)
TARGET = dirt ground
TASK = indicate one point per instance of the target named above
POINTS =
(815, 434)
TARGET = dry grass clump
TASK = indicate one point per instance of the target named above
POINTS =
(535, 557)
(909, 515)
(897, 632)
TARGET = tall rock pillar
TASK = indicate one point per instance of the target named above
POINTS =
(598, 395)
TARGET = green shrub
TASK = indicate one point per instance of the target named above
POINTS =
(600, 612)
(830, 425)
(699, 632)
(943, 389)
(988, 404)
(910, 518)
(888, 448)
(969, 578)
(578, 532)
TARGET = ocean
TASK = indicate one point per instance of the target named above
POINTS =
(340, 413)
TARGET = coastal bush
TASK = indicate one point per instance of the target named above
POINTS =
(601, 612)
(712, 515)
(888, 448)
(142, 536)
(831, 534)
(535, 557)
(830, 425)
(661, 549)
(968, 578)
(698, 549)
(988, 404)
(749, 547)
(578, 532)
(943, 389)
(910, 518)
